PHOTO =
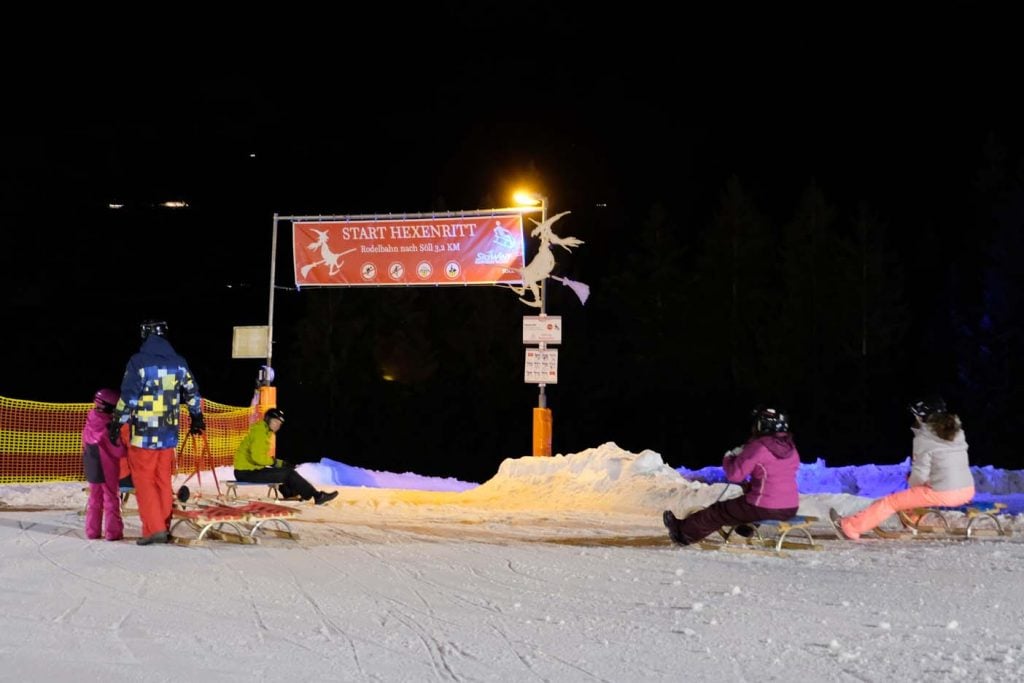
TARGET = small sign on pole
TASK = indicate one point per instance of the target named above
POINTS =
(541, 366)
(249, 342)
(542, 329)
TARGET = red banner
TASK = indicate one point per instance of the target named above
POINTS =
(461, 250)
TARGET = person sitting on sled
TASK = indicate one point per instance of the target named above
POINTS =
(770, 459)
(254, 462)
(940, 473)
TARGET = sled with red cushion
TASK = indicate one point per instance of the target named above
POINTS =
(237, 524)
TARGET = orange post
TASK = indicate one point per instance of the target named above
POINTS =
(268, 400)
(542, 432)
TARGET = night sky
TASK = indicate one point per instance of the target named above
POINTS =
(654, 360)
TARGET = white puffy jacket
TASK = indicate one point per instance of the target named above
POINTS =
(940, 464)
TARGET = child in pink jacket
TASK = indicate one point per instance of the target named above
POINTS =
(770, 460)
(940, 473)
(103, 469)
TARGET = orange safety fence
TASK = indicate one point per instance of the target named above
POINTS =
(42, 442)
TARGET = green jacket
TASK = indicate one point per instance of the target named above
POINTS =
(254, 451)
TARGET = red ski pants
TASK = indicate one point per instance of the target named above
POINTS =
(151, 475)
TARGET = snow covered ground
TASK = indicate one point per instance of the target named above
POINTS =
(555, 569)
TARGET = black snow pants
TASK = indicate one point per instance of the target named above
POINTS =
(732, 512)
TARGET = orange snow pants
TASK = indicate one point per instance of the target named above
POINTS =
(151, 475)
(914, 497)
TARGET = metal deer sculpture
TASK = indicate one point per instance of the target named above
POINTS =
(539, 268)
(327, 257)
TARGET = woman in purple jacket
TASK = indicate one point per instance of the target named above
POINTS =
(770, 460)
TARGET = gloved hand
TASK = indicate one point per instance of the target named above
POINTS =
(114, 432)
(733, 452)
(198, 424)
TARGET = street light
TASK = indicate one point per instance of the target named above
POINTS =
(524, 198)
(542, 420)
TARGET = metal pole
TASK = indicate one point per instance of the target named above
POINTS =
(270, 313)
(542, 399)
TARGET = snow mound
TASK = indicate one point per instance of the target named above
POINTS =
(602, 478)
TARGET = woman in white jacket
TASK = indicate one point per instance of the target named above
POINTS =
(940, 474)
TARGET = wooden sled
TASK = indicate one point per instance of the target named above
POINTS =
(236, 524)
(771, 535)
(982, 519)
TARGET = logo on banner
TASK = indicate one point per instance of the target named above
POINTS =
(452, 269)
(424, 270)
(327, 257)
(368, 271)
(396, 270)
(504, 247)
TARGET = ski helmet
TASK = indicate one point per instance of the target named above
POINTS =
(106, 399)
(770, 420)
(928, 406)
(274, 413)
(157, 327)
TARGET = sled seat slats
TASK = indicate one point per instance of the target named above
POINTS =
(231, 489)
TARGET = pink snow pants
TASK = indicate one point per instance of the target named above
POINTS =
(914, 497)
(105, 501)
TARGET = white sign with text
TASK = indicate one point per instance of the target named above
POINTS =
(541, 366)
(542, 329)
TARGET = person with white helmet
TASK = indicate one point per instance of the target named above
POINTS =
(254, 462)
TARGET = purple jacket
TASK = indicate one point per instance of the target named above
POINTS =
(771, 463)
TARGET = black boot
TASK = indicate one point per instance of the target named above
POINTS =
(322, 497)
(672, 524)
(158, 537)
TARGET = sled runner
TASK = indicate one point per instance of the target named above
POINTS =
(768, 537)
(982, 518)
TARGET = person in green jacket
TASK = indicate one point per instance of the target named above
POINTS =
(254, 463)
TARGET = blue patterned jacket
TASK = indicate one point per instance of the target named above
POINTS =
(156, 381)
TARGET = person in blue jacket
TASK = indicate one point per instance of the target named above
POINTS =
(156, 382)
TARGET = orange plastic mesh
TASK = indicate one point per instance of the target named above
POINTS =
(42, 442)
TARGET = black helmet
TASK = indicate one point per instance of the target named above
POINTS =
(770, 420)
(274, 413)
(157, 327)
(928, 406)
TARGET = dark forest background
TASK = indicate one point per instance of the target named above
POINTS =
(836, 269)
